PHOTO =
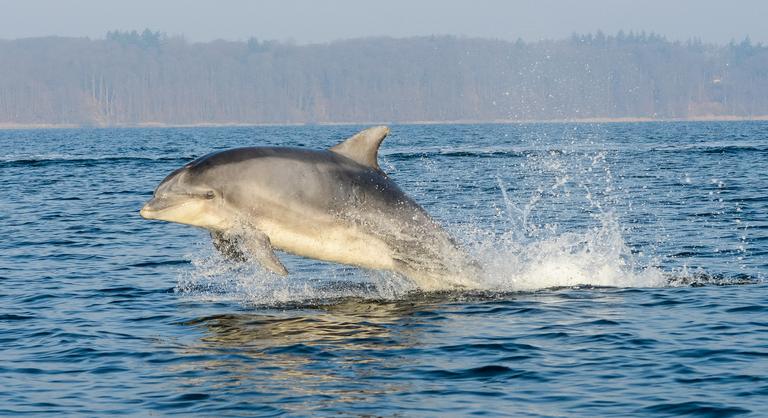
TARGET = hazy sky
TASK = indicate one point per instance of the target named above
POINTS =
(306, 21)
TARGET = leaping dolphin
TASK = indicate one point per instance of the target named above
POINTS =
(334, 205)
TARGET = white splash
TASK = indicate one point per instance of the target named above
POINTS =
(215, 279)
(596, 257)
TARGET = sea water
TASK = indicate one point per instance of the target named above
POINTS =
(624, 274)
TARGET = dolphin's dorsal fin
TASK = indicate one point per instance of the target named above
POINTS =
(363, 147)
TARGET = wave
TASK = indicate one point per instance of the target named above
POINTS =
(523, 151)
(520, 151)
(714, 148)
(457, 152)
(54, 159)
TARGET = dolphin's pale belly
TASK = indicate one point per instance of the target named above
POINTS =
(330, 241)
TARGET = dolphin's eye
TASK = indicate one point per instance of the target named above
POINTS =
(210, 195)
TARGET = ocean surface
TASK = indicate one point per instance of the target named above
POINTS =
(626, 275)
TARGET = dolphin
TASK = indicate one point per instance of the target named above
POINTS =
(334, 205)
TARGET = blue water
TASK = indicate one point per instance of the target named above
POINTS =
(626, 266)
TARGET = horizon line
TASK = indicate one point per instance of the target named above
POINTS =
(292, 42)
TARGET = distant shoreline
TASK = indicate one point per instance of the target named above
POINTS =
(33, 126)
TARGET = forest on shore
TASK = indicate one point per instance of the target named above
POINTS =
(143, 78)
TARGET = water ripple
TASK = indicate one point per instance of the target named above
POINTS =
(626, 277)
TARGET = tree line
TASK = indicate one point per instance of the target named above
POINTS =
(131, 78)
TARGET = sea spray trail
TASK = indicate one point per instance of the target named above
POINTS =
(626, 276)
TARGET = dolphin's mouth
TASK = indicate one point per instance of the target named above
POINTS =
(156, 205)
(147, 210)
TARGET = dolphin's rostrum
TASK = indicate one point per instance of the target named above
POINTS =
(334, 205)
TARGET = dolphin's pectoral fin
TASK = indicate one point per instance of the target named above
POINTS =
(363, 147)
(257, 244)
(228, 246)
